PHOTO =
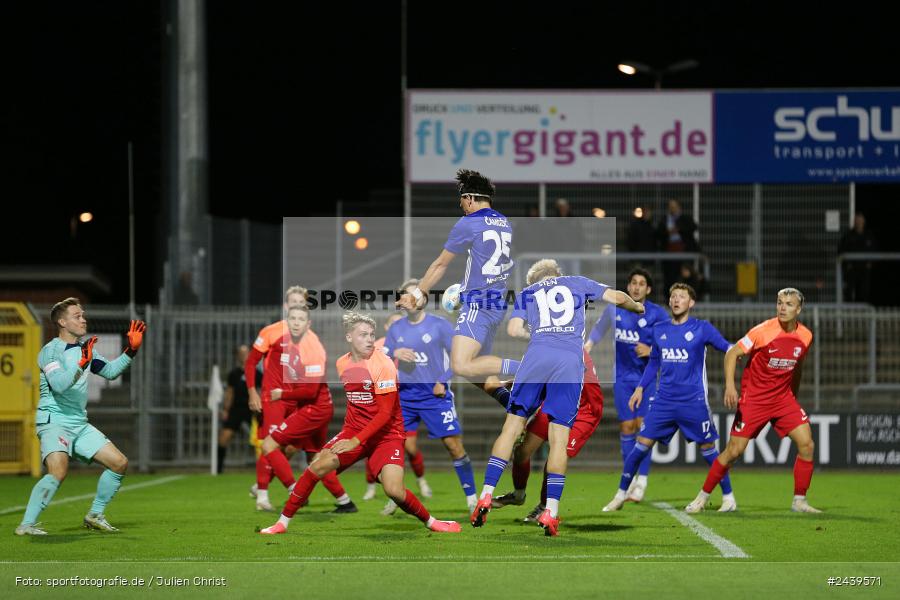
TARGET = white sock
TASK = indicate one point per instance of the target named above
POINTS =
(421, 480)
(728, 496)
(345, 499)
(486, 490)
(370, 487)
(799, 498)
(430, 522)
(642, 480)
(703, 495)
(471, 499)
(519, 495)
(620, 494)
(553, 507)
(262, 495)
(284, 521)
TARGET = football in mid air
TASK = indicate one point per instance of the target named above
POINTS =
(450, 298)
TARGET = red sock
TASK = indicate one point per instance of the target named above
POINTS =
(418, 463)
(803, 470)
(370, 476)
(411, 505)
(263, 472)
(520, 473)
(716, 472)
(333, 485)
(281, 467)
(300, 493)
(544, 487)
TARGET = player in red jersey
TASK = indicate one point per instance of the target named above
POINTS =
(373, 429)
(307, 401)
(769, 387)
(371, 479)
(590, 411)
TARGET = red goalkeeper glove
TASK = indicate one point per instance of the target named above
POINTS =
(87, 353)
(135, 337)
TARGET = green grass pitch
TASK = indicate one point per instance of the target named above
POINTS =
(194, 525)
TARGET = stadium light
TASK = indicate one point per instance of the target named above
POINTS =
(352, 227)
(86, 217)
(632, 67)
(599, 213)
(638, 213)
(361, 243)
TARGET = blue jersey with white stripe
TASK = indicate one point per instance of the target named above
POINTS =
(554, 310)
(630, 329)
(430, 339)
(678, 354)
(487, 237)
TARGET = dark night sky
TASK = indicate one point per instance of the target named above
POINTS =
(305, 104)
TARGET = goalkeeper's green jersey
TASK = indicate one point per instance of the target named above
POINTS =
(64, 384)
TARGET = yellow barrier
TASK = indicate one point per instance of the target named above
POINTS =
(20, 342)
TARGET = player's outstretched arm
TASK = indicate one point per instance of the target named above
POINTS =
(623, 300)
(58, 375)
(113, 369)
(433, 274)
(731, 358)
(516, 328)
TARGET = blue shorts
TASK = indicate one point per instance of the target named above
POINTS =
(80, 440)
(551, 377)
(692, 418)
(623, 390)
(439, 415)
(479, 320)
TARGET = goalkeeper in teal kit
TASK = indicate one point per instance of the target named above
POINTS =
(61, 419)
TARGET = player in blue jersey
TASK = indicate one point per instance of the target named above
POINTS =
(678, 358)
(486, 236)
(633, 336)
(61, 418)
(550, 376)
(422, 344)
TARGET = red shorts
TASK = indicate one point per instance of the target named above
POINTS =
(749, 420)
(378, 450)
(305, 429)
(583, 428)
(273, 414)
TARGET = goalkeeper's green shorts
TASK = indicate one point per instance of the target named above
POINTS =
(77, 439)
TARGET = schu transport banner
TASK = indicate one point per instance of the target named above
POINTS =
(556, 136)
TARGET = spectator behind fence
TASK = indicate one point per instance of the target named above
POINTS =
(857, 274)
(689, 275)
(676, 233)
(235, 408)
(641, 234)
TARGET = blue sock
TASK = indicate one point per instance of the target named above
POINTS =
(109, 484)
(501, 395)
(711, 454)
(463, 468)
(644, 468)
(626, 443)
(555, 483)
(41, 495)
(636, 455)
(510, 366)
(494, 470)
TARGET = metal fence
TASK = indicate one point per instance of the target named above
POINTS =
(159, 416)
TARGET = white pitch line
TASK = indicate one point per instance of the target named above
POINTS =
(125, 488)
(726, 549)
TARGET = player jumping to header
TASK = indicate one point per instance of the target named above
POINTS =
(486, 236)
(550, 377)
